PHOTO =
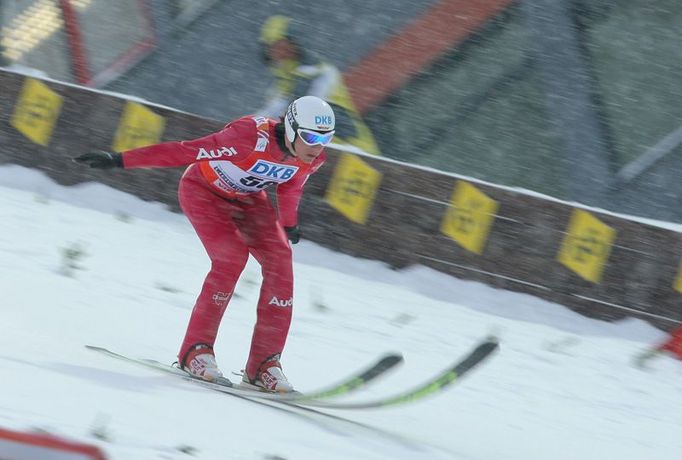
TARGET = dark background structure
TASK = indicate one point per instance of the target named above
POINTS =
(580, 100)
(404, 223)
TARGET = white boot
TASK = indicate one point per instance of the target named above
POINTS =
(200, 362)
(269, 378)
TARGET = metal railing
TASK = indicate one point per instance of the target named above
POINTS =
(650, 157)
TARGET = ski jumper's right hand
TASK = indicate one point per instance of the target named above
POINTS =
(100, 160)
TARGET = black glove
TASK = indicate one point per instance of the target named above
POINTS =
(293, 233)
(101, 160)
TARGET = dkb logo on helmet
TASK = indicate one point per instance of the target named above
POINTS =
(323, 120)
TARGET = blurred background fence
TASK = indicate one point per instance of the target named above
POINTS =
(578, 100)
(597, 264)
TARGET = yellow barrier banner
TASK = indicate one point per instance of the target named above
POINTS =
(470, 217)
(586, 246)
(678, 281)
(36, 111)
(353, 187)
(138, 127)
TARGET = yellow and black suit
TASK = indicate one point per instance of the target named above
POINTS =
(308, 75)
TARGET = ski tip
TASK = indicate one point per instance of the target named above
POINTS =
(392, 359)
(489, 345)
(493, 340)
(93, 347)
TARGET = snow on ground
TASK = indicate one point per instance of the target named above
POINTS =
(561, 386)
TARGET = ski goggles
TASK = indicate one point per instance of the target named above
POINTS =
(314, 138)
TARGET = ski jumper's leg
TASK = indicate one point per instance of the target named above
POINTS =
(212, 219)
(268, 243)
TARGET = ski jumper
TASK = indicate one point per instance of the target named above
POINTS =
(222, 193)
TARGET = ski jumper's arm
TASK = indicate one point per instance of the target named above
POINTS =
(232, 143)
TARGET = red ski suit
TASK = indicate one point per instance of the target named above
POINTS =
(222, 192)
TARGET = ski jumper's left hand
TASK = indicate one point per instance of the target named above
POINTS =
(100, 160)
(293, 233)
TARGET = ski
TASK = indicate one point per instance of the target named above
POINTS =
(430, 387)
(355, 382)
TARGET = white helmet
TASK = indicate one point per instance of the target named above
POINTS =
(310, 113)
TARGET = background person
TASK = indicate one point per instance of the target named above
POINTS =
(297, 72)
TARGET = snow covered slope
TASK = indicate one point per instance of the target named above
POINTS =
(90, 265)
